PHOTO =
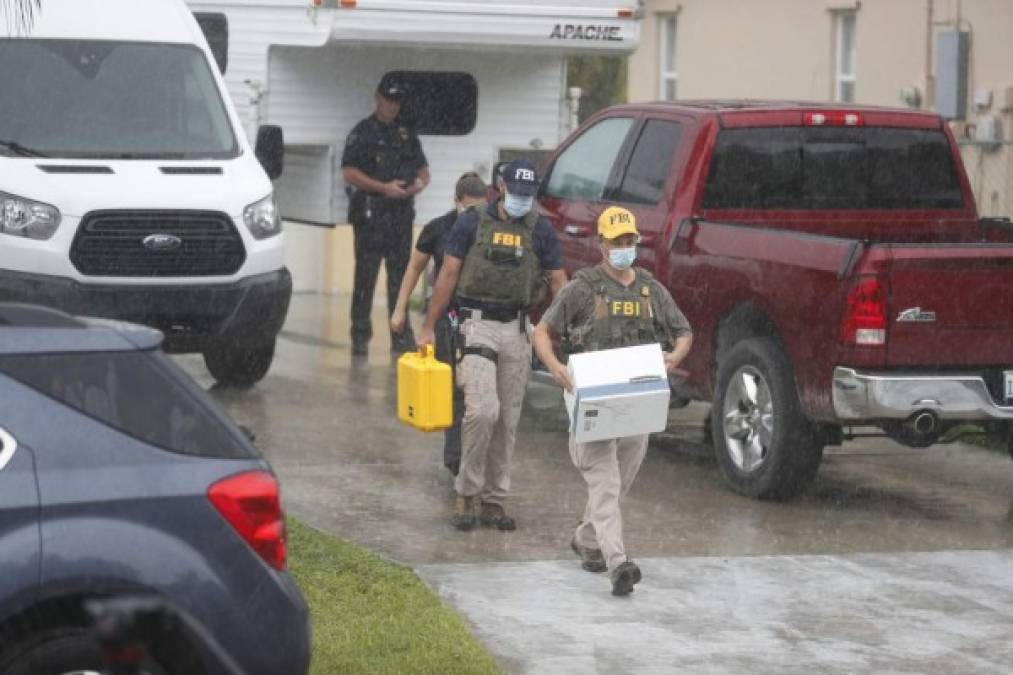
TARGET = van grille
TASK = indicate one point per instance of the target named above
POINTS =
(199, 243)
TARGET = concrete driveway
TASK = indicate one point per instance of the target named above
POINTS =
(897, 560)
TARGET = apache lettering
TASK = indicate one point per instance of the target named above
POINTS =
(579, 32)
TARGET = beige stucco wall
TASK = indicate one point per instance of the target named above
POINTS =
(784, 49)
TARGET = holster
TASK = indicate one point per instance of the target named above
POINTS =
(461, 348)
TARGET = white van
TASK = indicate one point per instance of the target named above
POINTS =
(128, 189)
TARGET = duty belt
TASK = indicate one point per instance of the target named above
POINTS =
(504, 315)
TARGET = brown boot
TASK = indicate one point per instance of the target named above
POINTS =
(493, 515)
(464, 513)
(591, 559)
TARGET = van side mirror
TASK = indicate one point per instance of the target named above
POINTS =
(215, 27)
(270, 150)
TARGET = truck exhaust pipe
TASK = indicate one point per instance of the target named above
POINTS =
(923, 423)
(920, 430)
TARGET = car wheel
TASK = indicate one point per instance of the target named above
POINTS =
(764, 444)
(68, 651)
(239, 365)
(63, 651)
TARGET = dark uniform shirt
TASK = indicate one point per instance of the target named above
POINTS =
(384, 152)
(574, 305)
(543, 241)
(433, 237)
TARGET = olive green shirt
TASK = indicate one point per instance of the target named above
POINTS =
(574, 307)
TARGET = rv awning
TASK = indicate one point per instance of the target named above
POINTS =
(557, 26)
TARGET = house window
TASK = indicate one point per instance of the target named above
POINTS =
(844, 89)
(668, 86)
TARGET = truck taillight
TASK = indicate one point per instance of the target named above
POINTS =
(833, 118)
(251, 504)
(864, 322)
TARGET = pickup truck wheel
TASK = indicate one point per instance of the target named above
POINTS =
(765, 446)
(240, 365)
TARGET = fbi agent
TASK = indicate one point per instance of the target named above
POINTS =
(384, 168)
(609, 306)
(494, 259)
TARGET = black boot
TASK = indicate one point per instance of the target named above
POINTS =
(624, 578)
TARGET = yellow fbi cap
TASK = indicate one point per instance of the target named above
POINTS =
(616, 221)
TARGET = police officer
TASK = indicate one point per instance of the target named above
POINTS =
(493, 259)
(608, 306)
(384, 168)
(469, 192)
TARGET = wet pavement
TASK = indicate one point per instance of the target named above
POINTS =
(945, 612)
(327, 423)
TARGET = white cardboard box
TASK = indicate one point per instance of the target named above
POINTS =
(617, 393)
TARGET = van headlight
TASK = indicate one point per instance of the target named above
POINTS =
(262, 218)
(22, 217)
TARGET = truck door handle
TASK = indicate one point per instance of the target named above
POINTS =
(577, 230)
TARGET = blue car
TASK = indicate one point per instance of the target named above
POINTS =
(120, 477)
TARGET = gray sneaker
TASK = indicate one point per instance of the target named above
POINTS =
(591, 559)
(624, 578)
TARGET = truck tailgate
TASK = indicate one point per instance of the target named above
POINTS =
(950, 304)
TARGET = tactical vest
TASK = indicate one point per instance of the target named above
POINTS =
(622, 317)
(501, 267)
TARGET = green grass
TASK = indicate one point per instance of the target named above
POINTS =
(974, 434)
(371, 616)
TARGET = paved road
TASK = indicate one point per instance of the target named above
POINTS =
(326, 422)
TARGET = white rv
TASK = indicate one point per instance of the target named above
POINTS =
(488, 77)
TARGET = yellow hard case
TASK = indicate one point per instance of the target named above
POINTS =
(424, 391)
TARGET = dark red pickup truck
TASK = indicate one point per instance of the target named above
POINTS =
(830, 260)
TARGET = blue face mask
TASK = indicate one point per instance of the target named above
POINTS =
(622, 258)
(516, 206)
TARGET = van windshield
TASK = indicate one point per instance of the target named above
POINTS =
(113, 100)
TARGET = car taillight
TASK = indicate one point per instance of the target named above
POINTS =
(833, 118)
(251, 503)
(864, 322)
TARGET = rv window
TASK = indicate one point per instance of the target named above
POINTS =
(439, 104)
(583, 169)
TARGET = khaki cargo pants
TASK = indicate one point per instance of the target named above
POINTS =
(609, 468)
(493, 395)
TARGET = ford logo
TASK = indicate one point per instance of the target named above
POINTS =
(162, 242)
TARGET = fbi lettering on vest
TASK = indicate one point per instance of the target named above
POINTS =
(625, 308)
(507, 239)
